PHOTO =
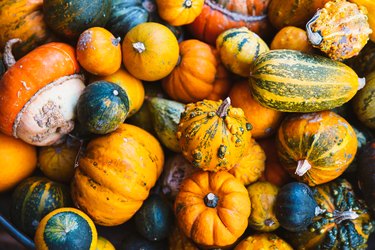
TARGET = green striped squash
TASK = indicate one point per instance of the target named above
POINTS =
(293, 81)
(364, 102)
(33, 199)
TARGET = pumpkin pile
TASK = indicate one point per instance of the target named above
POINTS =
(188, 124)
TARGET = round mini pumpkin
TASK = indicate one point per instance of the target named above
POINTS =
(98, 51)
(212, 208)
(66, 228)
(150, 51)
(263, 241)
(222, 83)
(179, 12)
(213, 135)
(364, 102)
(39, 93)
(317, 147)
(116, 173)
(291, 37)
(104, 244)
(193, 77)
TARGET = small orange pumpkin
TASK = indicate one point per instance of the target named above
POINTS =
(179, 12)
(222, 84)
(291, 37)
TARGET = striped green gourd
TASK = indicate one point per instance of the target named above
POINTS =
(364, 102)
(293, 81)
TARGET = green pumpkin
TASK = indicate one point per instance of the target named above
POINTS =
(363, 63)
(69, 18)
(35, 197)
(102, 107)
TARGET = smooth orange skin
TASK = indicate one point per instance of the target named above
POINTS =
(18, 161)
(222, 84)
(263, 241)
(291, 37)
(32, 72)
(98, 51)
(176, 13)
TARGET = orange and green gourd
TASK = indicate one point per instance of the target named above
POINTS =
(263, 241)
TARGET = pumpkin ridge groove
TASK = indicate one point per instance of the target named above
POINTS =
(26, 199)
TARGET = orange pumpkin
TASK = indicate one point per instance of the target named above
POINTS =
(291, 37)
(222, 84)
(264, 120)
(38, 94)
(179, 12)
(192, 79)
(212, 208)
(98, 51)
(150, 51)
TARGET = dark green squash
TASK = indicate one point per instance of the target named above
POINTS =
(366, 173)
(102, 107)
(154, 219)
(363, 63)
(35, 197)
(69, 18)
(134, 241)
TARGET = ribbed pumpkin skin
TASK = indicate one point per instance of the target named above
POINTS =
(34, 198)
(292, 81)
(69, 18)
(364, 102)
(324, 139)
(263, 241)
(116, 173)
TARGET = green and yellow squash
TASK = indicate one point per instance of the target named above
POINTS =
(293, 81)
(104, 244)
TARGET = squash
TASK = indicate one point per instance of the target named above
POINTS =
(104, 244)
(222, 84)
(250, 167)
(102, 107)
(238, 48)
(363, 62)
(116, 173)
(57, 162)
(293, 81)
(330, 31)
(265, 121)
(150, 51)
(98, 51)
(178, 241)
(213, 135)
(263, 241)
(370, 6)
(364, 102)
(70, 18)
(284, 13)
(295, 206)
(61, 228)
(154, 219)
(212, 208)
(19, 161)
(39, 93)
(34, 198)
(291, 37)
(263, 198)
(366, 167)
(179, 12)
(344, 223)
(134, 241)
(317, 147)
(220, 15)
(193, 77)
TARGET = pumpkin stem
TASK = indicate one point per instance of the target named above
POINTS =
(116, 41)
(139, 47)
(223, 108)
(362, 82)
(9, 59)
(211, 200)
(269, 222)
(302, 167)
(314, 37)
(188, 3)
(344, 215)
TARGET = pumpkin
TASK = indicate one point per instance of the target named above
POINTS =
(265, 121)
(179, 12)
(213, 135)
(104, 244)
(102, 107)
(366, 167)
(23, 19)
(238, 48)
(116, 173)
(143, 119)
(295, 206)
(317, 147)
(34, 198)
(370, 6)
(154, 219)
(61, 228)
(293, 81)
(212, 208)
(220, 15)
(19, 161)
(344, 222)
(262, 198)
(364, 102)
(39, 93)
(263, 241)
(178, 241)
(291, 37)
(222, 84)
(57, 162)
(363, 62)
(250, 167)
(150, 51)
(193, 77)
(330, 31)
(70, 18)
(98, 51)
(282, 13)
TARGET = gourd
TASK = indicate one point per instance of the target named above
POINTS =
(370, 6)
(291, 37)
(180, 12)
(263, 241)
(104, 244)
(364, 102)
(362, 63)
(222, 83)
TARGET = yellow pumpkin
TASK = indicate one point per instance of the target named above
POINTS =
(179, 12)
(104, 244)
(292, 37)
